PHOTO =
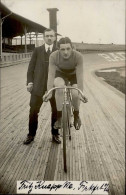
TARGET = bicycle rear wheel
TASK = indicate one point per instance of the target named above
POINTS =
(65, 130)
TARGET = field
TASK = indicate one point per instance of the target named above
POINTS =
(114, 76)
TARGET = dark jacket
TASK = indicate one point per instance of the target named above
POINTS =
(38, 70)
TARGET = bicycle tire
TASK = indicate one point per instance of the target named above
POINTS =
(69, 120)
(69, 112)
(65, 128)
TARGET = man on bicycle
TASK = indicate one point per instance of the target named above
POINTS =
(66, 65)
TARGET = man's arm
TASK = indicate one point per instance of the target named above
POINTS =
(79, 71)
(51, 72)
(30, 72)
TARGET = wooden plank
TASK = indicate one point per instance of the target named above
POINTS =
(96, 152)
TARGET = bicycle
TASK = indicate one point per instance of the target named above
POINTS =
(67, 110)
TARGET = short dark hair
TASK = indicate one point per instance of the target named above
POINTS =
(49, 29)
(64, 40)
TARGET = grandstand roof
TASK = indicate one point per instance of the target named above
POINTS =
(13, 24)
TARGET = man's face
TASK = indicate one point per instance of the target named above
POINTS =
(65, 50)
(49, 37)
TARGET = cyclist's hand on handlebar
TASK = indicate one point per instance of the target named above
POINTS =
(83, 99)
(46, 97)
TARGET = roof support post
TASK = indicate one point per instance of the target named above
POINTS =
(30, 37)
(36, 33)
(25, 31)
(0, 37)
(21, 39)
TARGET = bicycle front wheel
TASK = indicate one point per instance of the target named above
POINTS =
(65, 130)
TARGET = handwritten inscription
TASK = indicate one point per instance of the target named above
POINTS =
(58, 187)
(92, 187)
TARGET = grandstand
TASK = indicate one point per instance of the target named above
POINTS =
(20, 35)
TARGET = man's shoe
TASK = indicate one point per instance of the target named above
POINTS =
(57, 124)
(56, 138)
(77, 122)
(28, 140)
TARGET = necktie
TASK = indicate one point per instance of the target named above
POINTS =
(48, 51)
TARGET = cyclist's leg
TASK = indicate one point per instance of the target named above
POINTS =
(59, 82)
(76, 103)
(54, 115)
(75, 98)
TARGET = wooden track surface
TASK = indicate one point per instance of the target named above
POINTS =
(95, 153)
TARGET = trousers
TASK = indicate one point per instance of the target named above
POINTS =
(35, 105)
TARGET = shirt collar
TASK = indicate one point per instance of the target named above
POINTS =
(48, 46)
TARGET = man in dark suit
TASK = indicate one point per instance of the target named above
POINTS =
(37, 85)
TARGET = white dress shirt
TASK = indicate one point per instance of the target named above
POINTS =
(48, 46)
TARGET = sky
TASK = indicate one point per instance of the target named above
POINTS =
(90, 21)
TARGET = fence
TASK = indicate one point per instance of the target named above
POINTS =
(9, 59)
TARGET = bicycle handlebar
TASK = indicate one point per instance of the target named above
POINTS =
(68, 87)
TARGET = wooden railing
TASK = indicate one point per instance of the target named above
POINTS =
(9, 59)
